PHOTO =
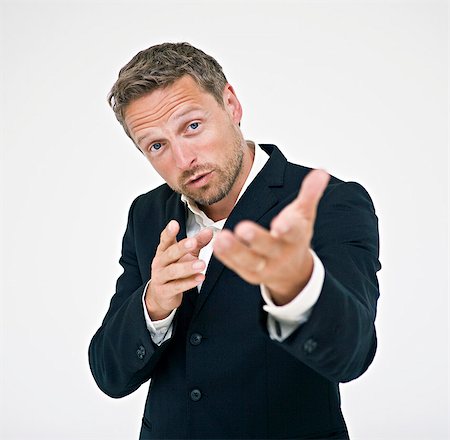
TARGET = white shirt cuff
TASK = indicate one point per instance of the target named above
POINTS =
(160, 330)
(284, 320)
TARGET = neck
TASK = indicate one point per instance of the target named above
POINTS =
(222, 209)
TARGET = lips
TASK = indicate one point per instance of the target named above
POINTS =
(199, 179)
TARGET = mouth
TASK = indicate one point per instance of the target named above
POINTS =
(199, 179)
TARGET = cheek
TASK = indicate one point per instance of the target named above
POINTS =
(165, 169)
(210, 143)
(205, 138)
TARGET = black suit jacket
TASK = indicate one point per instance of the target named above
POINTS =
(220, 375)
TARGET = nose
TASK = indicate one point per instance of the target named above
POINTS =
(184, 156)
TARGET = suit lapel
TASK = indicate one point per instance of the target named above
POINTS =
(258, 199)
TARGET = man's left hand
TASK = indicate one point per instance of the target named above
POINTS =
(280, 259)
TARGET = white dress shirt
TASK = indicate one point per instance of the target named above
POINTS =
(281, 320)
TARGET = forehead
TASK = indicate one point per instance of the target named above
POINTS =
(160, 104)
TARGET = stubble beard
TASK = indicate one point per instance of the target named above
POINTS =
(226, 178)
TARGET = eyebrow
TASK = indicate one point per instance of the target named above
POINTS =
(141, 138)
(188, 110)
(176, 118)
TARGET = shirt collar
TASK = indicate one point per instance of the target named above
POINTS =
(259, 160)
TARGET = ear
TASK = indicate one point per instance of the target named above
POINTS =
(232, 104)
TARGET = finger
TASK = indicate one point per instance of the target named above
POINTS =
(187, 257)
(182, 270)
(238, 257)
(188, 252)
(203, 238)
(301, 213)
(168, 235)
(184, 284)
(176, 251)
(259, 239)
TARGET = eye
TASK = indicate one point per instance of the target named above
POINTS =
(156, 146)
(194, 125)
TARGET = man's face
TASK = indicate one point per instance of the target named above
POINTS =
(191, 141)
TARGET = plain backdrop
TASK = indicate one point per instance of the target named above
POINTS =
(357, 87)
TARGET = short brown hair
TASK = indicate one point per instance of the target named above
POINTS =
(160, 66)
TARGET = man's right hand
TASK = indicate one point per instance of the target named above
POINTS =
(175, 269)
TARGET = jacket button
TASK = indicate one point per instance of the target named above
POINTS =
(196, 395)
(140, 352)
(310, 345)
(195, 339)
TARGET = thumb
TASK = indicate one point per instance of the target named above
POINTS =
(311, 191)
(304, 206)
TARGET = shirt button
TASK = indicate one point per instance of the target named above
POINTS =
(140, 352)
(196, 395)
(195, 339)
(310, 345)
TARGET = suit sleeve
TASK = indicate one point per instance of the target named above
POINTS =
(122, 354)
(339, 339)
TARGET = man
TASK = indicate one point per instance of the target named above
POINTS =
(243, 299)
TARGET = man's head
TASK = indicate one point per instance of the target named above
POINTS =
(176, 105)
(160, 66)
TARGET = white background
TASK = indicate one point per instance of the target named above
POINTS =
(358, 87)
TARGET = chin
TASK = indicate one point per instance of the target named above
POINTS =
(208, 199)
